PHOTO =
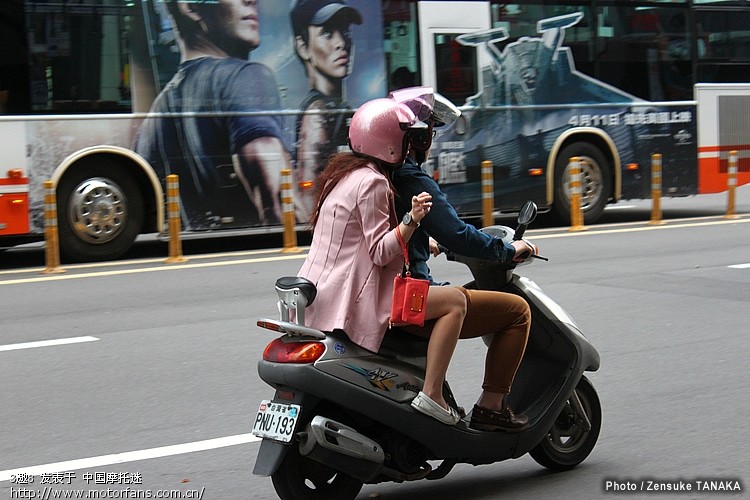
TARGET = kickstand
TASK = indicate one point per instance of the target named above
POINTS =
(442, 470)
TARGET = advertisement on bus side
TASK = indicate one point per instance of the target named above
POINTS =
(227, 94)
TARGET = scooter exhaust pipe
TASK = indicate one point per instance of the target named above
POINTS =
(342, 448)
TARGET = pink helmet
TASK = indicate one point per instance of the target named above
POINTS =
(377, 130)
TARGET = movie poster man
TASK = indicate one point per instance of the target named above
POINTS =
(238, 91)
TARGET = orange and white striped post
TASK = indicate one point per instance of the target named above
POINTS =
(576, 214)
(173, 215)
(655, 190)
(731, 185)
(51, 235)
(488, 194)
(287, 208)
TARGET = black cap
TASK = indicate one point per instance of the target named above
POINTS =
(317, 12)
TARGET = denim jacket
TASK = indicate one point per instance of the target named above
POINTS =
(442, 223)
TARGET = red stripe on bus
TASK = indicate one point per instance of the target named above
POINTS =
(11, 182)
(712, 174)
(713, 149)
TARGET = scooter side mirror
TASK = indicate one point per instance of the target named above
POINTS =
(527, 214)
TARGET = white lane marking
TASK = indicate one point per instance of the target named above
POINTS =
(172, 267)
(595, 229)
(159, 260)
(740, 266)
(130, 456)
(618, 207)
(46, 343)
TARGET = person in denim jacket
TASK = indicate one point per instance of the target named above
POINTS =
(506, 315)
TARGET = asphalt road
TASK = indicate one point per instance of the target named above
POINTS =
(160, 385)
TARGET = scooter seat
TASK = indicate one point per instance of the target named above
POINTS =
(399, 343)
(304, 285)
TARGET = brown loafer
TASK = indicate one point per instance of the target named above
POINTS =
(483, 419)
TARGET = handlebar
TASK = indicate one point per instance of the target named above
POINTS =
(451, 256)
(520, 230)
(526, 255)
(526, 216)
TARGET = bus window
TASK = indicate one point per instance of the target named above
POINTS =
(78, 60)
(521, 19)
(645, 51)
(14, 85)
(613, 43)
(401, 44)
(456, 68)
(726, 34)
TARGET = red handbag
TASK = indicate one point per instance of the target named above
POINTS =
(409, 294)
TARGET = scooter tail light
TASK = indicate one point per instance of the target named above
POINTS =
(279, 351)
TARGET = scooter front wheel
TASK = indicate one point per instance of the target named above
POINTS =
(568, 442)
(300, 478)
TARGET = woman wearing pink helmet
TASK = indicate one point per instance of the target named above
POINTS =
(355, 252)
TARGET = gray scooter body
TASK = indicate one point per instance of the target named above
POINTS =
(369, 394)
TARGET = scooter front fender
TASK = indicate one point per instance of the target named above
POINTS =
(588, 356)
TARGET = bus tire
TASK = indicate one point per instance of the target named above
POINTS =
(100, 213)
(596, 182)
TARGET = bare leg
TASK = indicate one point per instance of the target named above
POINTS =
(448, 306)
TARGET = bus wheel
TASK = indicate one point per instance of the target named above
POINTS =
(596, 181)
(100, 213)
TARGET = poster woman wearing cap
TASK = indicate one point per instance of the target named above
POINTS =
(323, 42)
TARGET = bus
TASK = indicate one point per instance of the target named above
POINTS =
(105, 99)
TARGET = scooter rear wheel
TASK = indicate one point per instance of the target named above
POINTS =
(567, 443)
(300, 478)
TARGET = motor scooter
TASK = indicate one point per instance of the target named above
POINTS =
(341, 415)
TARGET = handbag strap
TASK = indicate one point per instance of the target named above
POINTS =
(403, 250)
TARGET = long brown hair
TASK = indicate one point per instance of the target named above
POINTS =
(339, 165)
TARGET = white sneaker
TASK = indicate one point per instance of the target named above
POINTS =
(424, 404)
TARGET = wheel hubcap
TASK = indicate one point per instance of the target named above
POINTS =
(591, 182)
(567, 434)
(97, 210)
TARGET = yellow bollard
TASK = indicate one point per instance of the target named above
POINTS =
(488, 194)
(287, 207)
(656, 190)
(576, 214)
(173, 214)
(51, 236)
(731, 185)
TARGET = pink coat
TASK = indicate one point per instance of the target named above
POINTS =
(353, 258)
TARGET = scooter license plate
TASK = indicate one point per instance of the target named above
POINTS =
(276, 421)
